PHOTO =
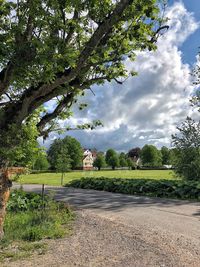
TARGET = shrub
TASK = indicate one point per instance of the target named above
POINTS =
(22, 201)
(30, 218)
(155, 188)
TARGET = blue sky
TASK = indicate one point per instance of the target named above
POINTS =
(147, 108)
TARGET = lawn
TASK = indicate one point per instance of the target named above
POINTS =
(55, 178)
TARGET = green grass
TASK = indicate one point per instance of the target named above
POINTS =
(27, 225)
(55, 178)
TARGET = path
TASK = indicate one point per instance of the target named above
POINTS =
(153, 231)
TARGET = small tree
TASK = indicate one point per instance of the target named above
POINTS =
(114, 161)
(151, 156)
(62, 164)
(112, 158)
(123, 160)
(130, 163)
(72, 149)
(99, 162)
(166, 155)
(187, 144)
(41, 162)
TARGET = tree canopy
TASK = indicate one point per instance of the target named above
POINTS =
(151, 156)
(112, 158)
(134, 152)
(58, 49)
(166, 155)
(68, 148)
(99, 162)
(187, 153)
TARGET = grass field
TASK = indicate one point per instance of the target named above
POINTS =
(55, 178)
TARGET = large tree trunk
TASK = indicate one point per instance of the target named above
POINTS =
(5, 184)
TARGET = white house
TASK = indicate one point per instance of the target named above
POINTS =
(88, 159)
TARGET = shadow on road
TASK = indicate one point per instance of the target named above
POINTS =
(91, 199)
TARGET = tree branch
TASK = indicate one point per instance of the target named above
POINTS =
(32, 97)
(65, 103)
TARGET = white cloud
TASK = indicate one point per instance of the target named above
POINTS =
(147, 108)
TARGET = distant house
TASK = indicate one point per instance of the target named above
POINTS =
(88, 159)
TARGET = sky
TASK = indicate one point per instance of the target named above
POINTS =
(147, 108)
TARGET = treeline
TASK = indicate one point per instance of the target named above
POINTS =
(67, 154)
(149, 156)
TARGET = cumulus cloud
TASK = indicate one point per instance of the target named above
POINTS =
(146, 108)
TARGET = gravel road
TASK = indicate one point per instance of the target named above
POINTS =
(115, 230)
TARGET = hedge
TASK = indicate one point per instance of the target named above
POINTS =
(155, 188)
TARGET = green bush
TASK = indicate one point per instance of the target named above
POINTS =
(22, 201)
(30, 218)
(156, 188)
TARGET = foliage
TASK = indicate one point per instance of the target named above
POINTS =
(63, 162)
(187, 144)
(130, 163)
(112, 158)
(47, 54)
(22, 201)
(134, 152)
(166, 155)
(155, 188)
(123, 160)
(19, 147)
(28, 220)
(69, 148)
(41, 162)
(151, 156)
(99, 162)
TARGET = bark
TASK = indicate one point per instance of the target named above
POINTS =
(5, 77)
(5, 184)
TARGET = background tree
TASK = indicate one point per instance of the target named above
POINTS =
(123, 160)
(166, 155)
(41, 162)
(70, 147)
(130, 163)
(75, 151)
(99, 162)
(187, 144)
(134, 153)
(112, 158)
(151, 156)
(62, 163)
(45, 54)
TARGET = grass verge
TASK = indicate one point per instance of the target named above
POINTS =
(29, 222)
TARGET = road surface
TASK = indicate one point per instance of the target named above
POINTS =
(169, 229)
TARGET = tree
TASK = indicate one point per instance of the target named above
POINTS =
(46, 54)
(99, 162)
(62, 163)
(130, 163)
(134, 153)
(70, 147)
(123, 160)
(41, 162)
(187, 147)
(166, 155)
(112, 158)
(151, 156)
